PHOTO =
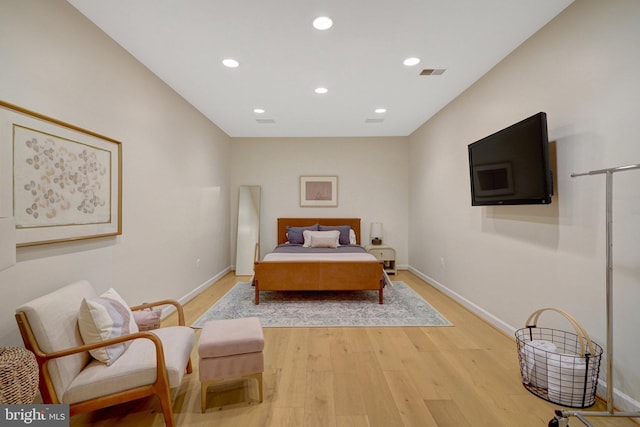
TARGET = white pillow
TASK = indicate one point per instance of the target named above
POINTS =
(306, 235)
(321, 239)
(105, 317)
(352, 237)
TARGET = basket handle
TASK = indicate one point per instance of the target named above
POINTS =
(583, 336)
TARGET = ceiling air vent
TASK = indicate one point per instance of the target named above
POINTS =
(432, 71)
(265, 121)
(374, 120)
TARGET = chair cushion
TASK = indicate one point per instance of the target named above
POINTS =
(105, 317)
(54, 321)
(135, 367)
(231, 336)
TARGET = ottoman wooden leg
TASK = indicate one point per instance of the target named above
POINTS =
(203, 396)
(204, 385)
(258, 378)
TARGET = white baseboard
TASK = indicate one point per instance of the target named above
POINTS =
(622, 401)
(195, 292)
(493, 320)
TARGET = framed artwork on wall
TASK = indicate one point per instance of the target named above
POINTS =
(59, 182)
(318, 191)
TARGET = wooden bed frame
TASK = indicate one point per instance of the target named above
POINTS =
(318, 275)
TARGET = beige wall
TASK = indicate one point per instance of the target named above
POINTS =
(372, 181)
(175, 163)
(181, 175)
(505, 262)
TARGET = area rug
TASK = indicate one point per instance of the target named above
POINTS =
(402, 307)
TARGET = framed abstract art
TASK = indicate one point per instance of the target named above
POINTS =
(59, 182)
(318, 191)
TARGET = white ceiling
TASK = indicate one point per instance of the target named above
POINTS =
(283, 58)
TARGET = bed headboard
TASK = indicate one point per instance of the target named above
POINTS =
(354, 223)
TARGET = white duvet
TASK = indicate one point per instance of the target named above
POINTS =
(320, 257)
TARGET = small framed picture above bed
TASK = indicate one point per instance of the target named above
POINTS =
(318, 191)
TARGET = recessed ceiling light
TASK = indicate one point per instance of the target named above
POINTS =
(258, 110)
(322, 23)
(231, 63)
(380, 110)
(410, 62)
(321, 90)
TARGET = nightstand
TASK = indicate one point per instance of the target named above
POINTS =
(385, 254)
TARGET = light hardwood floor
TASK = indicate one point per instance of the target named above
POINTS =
(465, 375)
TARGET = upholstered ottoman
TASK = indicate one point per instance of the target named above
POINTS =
(229, 349)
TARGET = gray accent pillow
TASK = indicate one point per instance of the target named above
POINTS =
(294, 234)
(343, 229)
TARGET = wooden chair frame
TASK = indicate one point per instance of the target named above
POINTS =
(159, 388)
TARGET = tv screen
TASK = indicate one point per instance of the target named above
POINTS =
(511, 166)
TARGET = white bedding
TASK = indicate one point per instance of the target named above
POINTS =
(320, 257)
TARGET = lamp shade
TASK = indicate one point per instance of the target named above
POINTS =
(376, 233)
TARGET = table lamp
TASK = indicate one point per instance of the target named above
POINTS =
(376, 233)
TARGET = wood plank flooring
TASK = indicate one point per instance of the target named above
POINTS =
(464, 375)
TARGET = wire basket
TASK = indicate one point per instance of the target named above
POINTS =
(559, 366)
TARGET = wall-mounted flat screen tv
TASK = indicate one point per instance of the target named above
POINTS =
(511, 166)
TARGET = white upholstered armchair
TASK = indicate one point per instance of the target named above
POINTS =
(91, 354)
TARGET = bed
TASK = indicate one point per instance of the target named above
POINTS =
(319, 271)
